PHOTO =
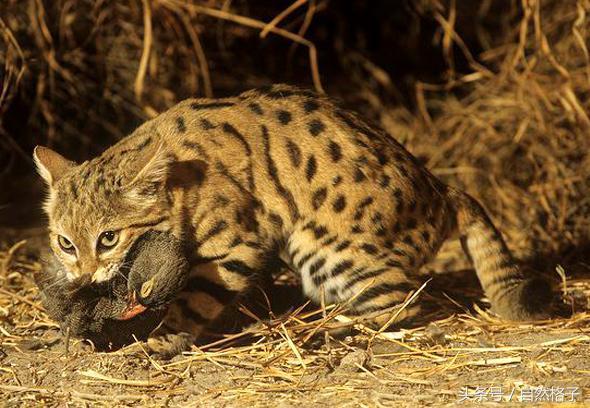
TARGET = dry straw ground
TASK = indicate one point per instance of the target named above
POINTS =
(511, 127)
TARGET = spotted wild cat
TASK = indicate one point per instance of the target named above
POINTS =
(273, 172)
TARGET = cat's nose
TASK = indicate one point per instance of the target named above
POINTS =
(88, 267)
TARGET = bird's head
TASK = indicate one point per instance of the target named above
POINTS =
(159, 271)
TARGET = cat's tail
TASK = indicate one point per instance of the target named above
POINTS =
(513, 296)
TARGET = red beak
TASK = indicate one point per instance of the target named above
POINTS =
(133, 308)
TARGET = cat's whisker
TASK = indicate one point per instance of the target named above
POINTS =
(123, 276)
(58, 282)
(46, 276)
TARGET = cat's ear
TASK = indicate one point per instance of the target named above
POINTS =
(51, 165)
(150, 170)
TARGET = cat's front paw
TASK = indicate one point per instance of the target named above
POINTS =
(167, 346)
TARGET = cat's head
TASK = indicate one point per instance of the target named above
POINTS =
(98, 208)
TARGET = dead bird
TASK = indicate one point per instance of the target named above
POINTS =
(108, 313)
(87, 310)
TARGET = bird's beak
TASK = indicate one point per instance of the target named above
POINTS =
(133, 308)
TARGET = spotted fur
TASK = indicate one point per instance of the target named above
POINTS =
(274, 172)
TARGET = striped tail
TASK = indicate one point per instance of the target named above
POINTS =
(513, 296)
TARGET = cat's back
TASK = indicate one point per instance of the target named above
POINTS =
(292, 129)
(291, 141)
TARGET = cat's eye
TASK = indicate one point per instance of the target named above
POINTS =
(108, 239)
(65, 244)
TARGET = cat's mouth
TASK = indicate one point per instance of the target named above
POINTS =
(133, 308)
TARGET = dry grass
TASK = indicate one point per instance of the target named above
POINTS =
(286, 360)
(518, 139)
(98, 69)
(513, 131)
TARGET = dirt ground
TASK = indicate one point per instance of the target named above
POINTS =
(455, 353)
